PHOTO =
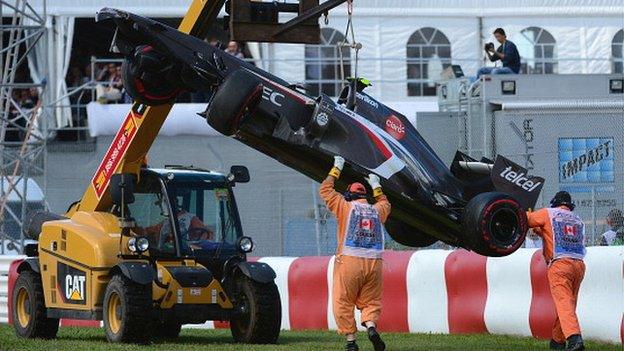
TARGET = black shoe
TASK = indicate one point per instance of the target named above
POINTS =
(375, 338)
(557, 346)
(352, 346)
(575, 343)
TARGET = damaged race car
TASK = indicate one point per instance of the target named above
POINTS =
(477, 205)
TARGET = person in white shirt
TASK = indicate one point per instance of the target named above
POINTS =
(615, 235)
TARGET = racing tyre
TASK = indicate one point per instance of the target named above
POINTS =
(259, 316)
(30, 318)
(238, 95)
(145, 77)
(495, 224)
(167, 329)
(127, 311)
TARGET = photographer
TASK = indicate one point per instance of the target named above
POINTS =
(507, 53)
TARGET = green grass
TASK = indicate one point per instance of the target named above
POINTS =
(193, 339)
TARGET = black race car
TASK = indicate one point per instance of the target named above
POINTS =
(478, 205)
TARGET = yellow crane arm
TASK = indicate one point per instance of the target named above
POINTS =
(140, 128)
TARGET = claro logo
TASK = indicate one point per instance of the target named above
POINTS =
(272, 96)
(519, 179)
(395, 127)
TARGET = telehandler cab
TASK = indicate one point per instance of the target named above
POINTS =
(169, 252)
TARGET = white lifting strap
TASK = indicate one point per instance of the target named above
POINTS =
(345, 44)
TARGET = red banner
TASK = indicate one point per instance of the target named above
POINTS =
(115, 154)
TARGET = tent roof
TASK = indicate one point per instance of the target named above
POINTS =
(470, 8)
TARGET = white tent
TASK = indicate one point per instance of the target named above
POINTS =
(576, 35)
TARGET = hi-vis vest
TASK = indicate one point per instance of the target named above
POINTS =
(568, 234)
(364, 233)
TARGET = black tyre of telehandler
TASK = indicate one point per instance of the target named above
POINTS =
(238, 95)
(167, 329)
(127, 311)
(495, 224)
(30, 318)
(145, 77)
(260, 312)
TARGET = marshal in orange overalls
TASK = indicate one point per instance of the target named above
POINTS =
(358, 265)
(563, 234)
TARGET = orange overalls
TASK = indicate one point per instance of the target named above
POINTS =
(358, 265)
(563, 234)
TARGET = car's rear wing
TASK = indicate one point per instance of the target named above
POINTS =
(505, 176)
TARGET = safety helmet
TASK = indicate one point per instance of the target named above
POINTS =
(562, 198)
(355, 191)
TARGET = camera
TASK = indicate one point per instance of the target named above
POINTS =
(489, 47)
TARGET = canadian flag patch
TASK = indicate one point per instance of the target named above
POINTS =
(366, 224)
(569, 230)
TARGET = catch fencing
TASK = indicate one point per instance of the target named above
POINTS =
(449, 292)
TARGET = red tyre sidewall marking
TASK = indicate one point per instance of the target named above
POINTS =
(485, 233)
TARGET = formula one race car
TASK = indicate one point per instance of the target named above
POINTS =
(478, 205)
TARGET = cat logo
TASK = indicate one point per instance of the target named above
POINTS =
(74, 287)
(72, 283)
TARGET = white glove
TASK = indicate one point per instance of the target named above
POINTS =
(374, 181)
(339, 162)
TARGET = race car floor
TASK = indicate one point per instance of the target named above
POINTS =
(195, 339)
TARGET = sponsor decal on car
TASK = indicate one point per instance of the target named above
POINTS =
(72, 283)
(520, 179)
(272, 96)
(395, 127)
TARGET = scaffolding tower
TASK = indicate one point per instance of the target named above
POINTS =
(23, 129)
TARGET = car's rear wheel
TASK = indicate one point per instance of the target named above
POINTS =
(494, 224)
(145, 77)
(259, 312)
(30, 318)
(239, 94)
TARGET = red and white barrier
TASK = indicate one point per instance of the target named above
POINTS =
(438, 291)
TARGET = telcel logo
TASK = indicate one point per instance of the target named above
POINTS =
(519, 179)
(272, 96)
(75, 287)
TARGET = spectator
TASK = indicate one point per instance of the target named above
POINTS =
(615, 235)
(234, 49)
(111, 90)
(507, 53)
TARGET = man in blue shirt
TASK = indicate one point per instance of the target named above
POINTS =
(507, 53)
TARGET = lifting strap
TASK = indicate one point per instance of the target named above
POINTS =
(345, 44)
